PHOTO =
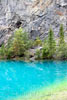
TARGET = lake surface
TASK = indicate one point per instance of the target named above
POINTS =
(20, 78)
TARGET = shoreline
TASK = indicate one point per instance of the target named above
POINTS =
(32, 60)
(58, 92)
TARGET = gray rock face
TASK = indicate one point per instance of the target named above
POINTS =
(36, 17)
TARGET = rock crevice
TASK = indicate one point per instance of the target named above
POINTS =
(35, 16)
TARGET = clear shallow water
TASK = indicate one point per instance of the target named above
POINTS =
(19, 78)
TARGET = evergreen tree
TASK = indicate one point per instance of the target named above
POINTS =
(49, 46)
(62, 49)
(18, 43)
(45, 50)
(61, 33)
(51, 43)
(21, 42)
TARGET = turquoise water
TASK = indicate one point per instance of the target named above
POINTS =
(19, 78)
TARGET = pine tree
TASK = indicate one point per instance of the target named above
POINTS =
(18, 43)
(61, 33)
(49, 46)
(45, 50)
(62, 49)
(51, 43)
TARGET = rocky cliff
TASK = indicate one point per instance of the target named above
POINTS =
(35, 16)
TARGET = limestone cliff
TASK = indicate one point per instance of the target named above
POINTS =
(35, 16)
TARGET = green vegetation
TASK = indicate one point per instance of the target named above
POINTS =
(37, 42)
(3, 51)
(18, 46)
(49, 46)
(38, 54)
(62, 49)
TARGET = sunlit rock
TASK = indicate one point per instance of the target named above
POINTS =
(35, 16)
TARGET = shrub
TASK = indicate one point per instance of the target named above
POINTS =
(38, 54)
(3, 52)
(37, 42)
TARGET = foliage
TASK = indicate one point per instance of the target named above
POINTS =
(21, 42)
(38, 54)
(2, 52)
(61, 33)
(49, 46)
(37, 42)
(27, 55)
(62, 49)
(51, 43)
(45, 51)
(17, 45)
